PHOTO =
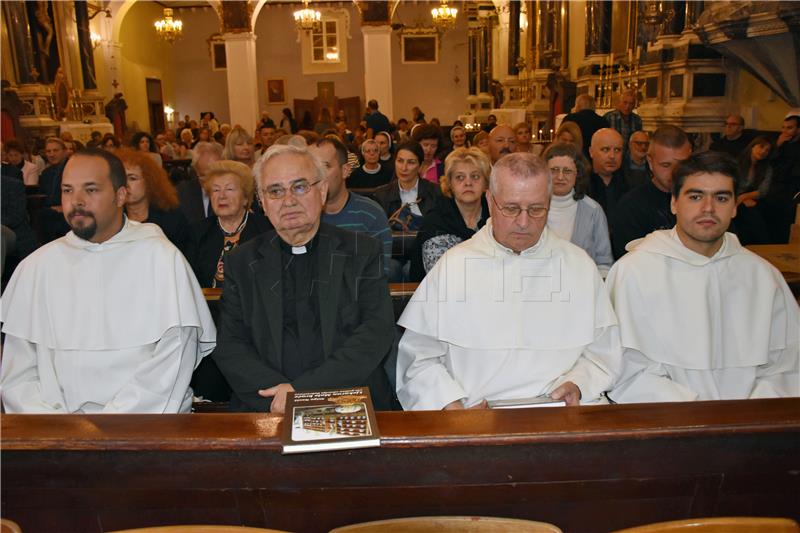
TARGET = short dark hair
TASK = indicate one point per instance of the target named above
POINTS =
(137, 137)
(796, 119)
(669, 136)
(14, 144)
(559, 149)
(705, 163)
(116, 170)
(426, 131)
(413, 147)
(338, 145)
(372, 104)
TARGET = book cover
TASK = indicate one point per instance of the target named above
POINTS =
(324, 420)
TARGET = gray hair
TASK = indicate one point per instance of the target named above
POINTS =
(584, 101)
(202, 148)
(277, 150)
(367, 143)
(523, 165)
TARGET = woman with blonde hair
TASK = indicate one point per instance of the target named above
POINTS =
(570, 133)
(230, 186)
(460, 212)
(239, 147)
(152, 198)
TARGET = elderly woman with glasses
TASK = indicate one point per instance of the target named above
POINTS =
(573, 216)
(229, 185)
(458, 214)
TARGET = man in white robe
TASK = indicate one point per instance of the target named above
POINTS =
(107, 319)
(701, 317)
(514, 312)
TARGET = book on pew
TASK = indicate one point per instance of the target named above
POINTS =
(325, 420)
(521, 403)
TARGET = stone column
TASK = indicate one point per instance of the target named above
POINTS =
(474, 61)
(598, 27)
(378, 67)
(240, 52)
(85, 46)
(19, 31)
(513, 38)
(485, 50)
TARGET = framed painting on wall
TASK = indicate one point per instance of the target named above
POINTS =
(276, 91)
(422, 47)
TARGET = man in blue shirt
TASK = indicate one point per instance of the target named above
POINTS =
(623, 119)
(345, 209)
(376, 121)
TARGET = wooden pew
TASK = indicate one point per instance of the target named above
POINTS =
(402, 242)
(585, 469)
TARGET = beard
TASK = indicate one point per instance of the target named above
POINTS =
(84, 232)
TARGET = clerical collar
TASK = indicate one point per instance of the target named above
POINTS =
(299, 250)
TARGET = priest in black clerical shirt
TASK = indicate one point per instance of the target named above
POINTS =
(305, 306)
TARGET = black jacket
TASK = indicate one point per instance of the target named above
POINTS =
(356, 318)
(389, 196)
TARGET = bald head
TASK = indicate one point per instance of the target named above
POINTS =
(606, 152)
(501, 141)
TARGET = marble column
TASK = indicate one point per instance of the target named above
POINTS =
(474, 60)
(16, 19)
(598, 27)
(240, 52)
(378, 67)
(485, 50)
(513, 38)
(85, 46)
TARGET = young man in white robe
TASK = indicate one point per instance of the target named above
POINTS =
(514, 312)
(107, 319)
(701, 317)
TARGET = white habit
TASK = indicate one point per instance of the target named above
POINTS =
(115, 327)
(487, 323)
(700, 328)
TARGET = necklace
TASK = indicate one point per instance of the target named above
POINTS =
(237, 230)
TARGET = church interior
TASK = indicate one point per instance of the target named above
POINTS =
(85, 70)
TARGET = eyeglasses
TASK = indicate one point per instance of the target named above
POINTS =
(513, 211)
(298, 187)
(566, 172)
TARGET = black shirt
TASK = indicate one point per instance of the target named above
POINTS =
(733, 148)
(302, 334)
(589, 122)
(607, 195)
(641, 211)
(361, 179)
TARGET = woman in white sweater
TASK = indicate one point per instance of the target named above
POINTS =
(573, 216)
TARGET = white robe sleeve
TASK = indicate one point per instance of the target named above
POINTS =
(780, 377)
(598, 367)
(23, 390)
(161, 383)
(423, 381)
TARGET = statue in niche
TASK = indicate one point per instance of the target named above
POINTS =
(62, 94)
(44, 37)
(115, 111)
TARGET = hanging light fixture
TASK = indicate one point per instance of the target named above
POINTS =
(444, 17)
(306, 19)
(168, 28)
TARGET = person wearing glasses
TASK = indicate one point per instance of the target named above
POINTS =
(573, 216)
(514, 312)
(734, 138)
(306, 305)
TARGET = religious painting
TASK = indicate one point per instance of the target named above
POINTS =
(219, 61)
(276, 91)
(420, 48)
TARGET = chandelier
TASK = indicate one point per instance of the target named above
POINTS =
(444, 17)
(306, 19)
(168, 28)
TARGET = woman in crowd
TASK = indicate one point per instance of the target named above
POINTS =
(407, 198)
(417, 116)
(153, 198)
(574, 216)
(16, 156)
(239, 147)
(187, 137)
(384, 140)
(181, 150)
(569, 132)
(458, 136)
(755, 177)
(229, 185)
(143, 142)
(109, 142)
(458, 214)
(481, 142)
(522, 134)
(428, 137)
(288, 123)
(372, 173)
(203, 135)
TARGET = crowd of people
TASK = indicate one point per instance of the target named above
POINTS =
(606, 266)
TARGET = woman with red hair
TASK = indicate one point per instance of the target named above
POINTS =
(152, 198)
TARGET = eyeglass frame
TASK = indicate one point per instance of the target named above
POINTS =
(519, 210)
(563, 171)
(282, 191)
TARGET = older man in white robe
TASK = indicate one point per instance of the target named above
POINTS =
(514, 312)
(701, 317)
(107, 319)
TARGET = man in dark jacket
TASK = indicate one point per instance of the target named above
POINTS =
(586, 119)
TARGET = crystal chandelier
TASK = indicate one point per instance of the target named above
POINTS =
(168, 28)
(306, 19)
(444, 17)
